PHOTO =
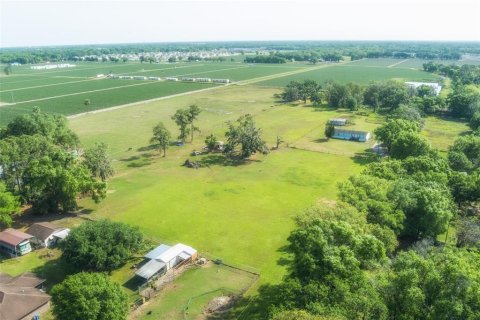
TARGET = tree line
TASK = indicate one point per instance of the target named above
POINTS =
(464, 74)
(299, 50)
(393, 97)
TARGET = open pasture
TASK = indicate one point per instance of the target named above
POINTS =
(353, 73)
(239, 212)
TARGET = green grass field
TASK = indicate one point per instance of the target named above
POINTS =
(354, 73)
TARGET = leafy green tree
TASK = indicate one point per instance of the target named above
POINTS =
(371, 195)
(475, 121)
(326, 270)
(100, 245)
(408, 113)
(52, 127)
(468, 232)
(372, 94)
(45, 175)
(182, 119)
(424, 91)
(246, 135)
(291, 93)
(409, 144)
(329, 130)
(441, 284)
(161, 137)
(89, 296)
(98, 161)
(193, 113)
(210, 142)
(393, 94)
(56, 180)
(9, 206)
(309, 90)
(465, 187)
(337, 94)
(389, 131)
(464, 155)
(427, 205)
(463, 101)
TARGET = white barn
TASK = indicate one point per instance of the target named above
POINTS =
(163, 258)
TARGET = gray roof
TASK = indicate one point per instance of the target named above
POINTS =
(157, 251)
(149, 269)
(43, 230)
(19, 296)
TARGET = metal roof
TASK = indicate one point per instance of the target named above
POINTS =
(14, 237)
(175, 251)
(149, 269)
(157, 251)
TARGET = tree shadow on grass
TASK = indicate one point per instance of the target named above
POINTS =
(147, 148)
(321, 140)
(53, 271)
(141, 160)
(28, 218)
(366, 157)
(220, 159)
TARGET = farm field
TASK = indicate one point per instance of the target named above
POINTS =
(407, 63)
(361, 74)
(64, 91)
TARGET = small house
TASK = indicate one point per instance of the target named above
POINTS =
(351, 135)
(338, 122)
(163, 258)
(15, 242)
(46, 234)
(22, 297)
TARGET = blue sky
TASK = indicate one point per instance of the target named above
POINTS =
(33, 23)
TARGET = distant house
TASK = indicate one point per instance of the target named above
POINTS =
(22, 297)
(435, 86)
(14, 242)
(163, 258)
(47, 234)
(351, 135)
(338, 122)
